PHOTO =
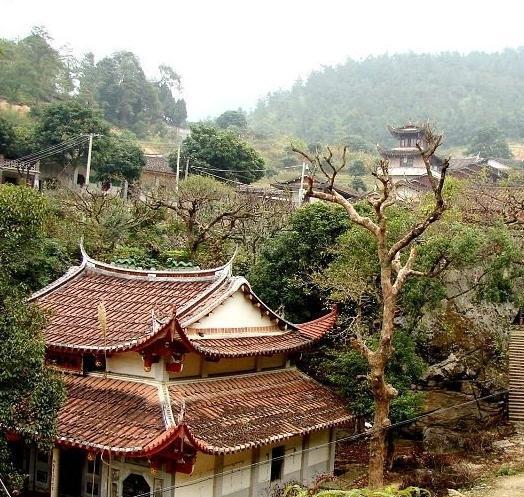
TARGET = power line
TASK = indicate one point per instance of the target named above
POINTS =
(219, 177)
(229, 170)
(47, 152)
(327, 444)
(52, 149)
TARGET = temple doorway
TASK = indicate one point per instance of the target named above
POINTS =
(70, 476)
(135, 485)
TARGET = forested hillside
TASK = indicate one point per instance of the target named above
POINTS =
(33, 72)
(459, 93)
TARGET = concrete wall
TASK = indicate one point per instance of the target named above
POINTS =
(200, 483)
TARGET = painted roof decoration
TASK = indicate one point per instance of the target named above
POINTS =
(146, 306)
(216, 415)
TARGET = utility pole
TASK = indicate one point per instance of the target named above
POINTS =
(301, 191)
(177, 169)
(187, 168)
(88, 166)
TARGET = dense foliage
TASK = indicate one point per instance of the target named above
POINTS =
(115, 156)
(30, 394)
(284, 273)
(489, 142)
(299, 491)
(220, 153)
(460, 93)
(33, 72)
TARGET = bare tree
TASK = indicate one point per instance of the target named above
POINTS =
(396, 259)
(210, 211)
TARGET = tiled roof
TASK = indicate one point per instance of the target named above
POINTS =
(218, 415)
(157, 164)
(103, 413)
(293, 340)
(141, 305)
(235, 413)
(137, 304)
(317, 328)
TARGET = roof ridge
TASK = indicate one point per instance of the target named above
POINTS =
(182, 273)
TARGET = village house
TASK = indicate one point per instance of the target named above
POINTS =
(157, 172)
(38, 175)
(180, 384)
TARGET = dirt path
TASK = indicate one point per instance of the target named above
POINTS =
(503, 486)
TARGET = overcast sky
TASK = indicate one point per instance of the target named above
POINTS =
(230, 53)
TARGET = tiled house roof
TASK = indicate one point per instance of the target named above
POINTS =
(157, 164)
(236, 413)
(217, 415)
(103, 413)
(141, 306)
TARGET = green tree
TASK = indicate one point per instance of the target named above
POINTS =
(283, 273)
(31, 394)
(357, 168)
(489, 142)
(358, 185)
(118, 158)
(390, 259)
(173, 111)
(7, 137)
(232, 118)
(31, 70)
(220, 153)
(123, 93)
(208, 215)
(66, 120)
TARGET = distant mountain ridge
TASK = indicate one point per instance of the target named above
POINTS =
(458, 93)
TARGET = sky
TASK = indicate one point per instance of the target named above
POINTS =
(230, 53)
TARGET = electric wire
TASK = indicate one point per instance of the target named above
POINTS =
(47, 153)
(55, 149)
(52, 149)
(327, 444)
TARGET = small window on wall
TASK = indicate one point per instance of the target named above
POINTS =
(80, 180)
(277, 462)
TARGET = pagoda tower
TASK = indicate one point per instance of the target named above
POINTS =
(405, 160)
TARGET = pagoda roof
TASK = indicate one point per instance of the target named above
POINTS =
(299, 337)
(216, 415)
(143, 307)
(407, 129)
(104, 413)
(231, 414)
(398, 151)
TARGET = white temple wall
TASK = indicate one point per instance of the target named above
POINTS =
(198, 484)
(131, 363)
(236, 312)
(226, 365)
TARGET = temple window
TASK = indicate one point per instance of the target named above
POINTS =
(135, 485)
(277, 462)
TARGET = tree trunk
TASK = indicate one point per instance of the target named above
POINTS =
(383, 392)
(381, 422)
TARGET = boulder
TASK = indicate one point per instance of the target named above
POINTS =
(442, 440)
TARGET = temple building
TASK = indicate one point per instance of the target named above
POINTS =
(406, 166)
(180, 384)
